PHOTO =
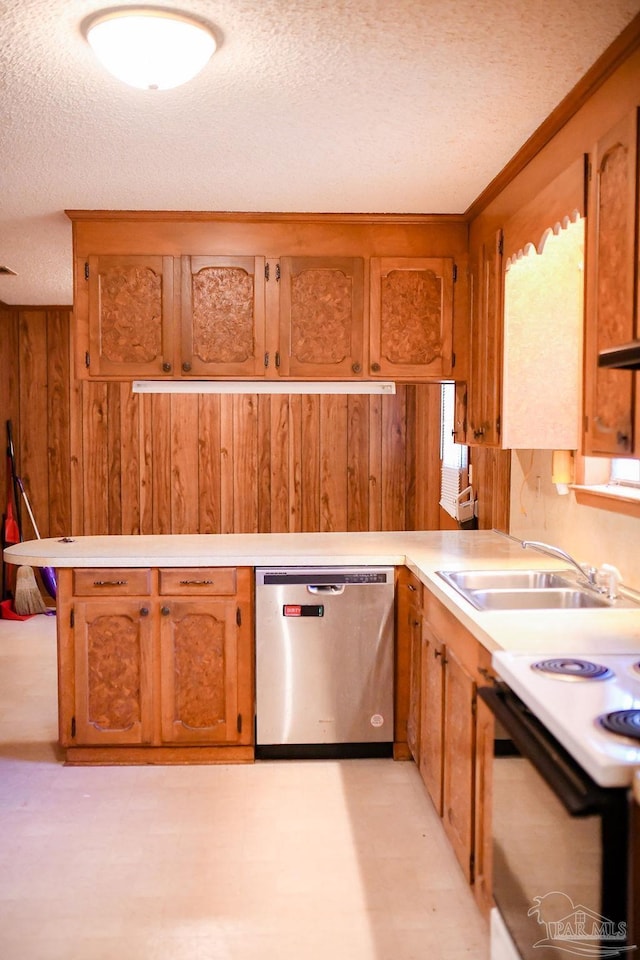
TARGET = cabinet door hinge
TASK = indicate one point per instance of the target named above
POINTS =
(453, 359)
(72, 619)
(455, 272)
(586, 423)
(87, 359)
(239, 616)
(277, 272)
(472, 867)
(239, 724)
(73, 728)
(498, 425)
(501, 244)
(266, 271)
(266, 359)
(86, 270)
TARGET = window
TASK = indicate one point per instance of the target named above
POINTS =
(610, 485)
(454, 457)
(625, 473)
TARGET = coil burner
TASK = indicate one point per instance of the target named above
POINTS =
(626, 723)
(566, 668)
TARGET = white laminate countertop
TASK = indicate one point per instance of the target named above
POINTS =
(557, 632)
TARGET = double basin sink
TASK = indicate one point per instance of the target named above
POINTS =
(526, 590)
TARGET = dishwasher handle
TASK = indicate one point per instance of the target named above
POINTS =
(333, 588)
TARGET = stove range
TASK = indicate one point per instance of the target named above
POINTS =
(596, 717)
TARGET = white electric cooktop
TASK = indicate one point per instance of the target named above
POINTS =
(571, 704)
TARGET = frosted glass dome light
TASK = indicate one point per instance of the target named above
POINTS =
(148, 47)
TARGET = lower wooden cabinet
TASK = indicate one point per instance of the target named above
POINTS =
(456, 740)
(155, 662)
(432, 714)
(408, 679)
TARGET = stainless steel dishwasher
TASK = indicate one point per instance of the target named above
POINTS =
(324, 660)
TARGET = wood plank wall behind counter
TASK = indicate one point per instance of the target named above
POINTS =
(248, 463)
(97, 460)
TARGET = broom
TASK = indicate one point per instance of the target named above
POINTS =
(27, 598)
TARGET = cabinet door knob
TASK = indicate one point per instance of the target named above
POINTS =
(144, 611)
(166, 367)
(165, 611)
(375, 367)
(186, 367)
(356, 367)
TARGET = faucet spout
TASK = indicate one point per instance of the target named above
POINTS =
(548, 548)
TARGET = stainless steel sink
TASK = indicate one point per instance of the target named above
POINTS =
(538, 599)
(464, 580)
(526, 590)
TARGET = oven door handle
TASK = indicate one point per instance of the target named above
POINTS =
(579, 794)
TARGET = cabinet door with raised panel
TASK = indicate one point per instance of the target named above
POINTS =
(199, 671)
(113, 671)
(485, 387)
(411, 317)
(459, 760)
(432, 714)
(415, 675)
(130, 315)
(612, 263)
(223, 316)
(321, 317)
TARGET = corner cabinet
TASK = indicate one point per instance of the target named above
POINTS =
(155, 665)
(484, 395)
(411, 317)
(612, 408)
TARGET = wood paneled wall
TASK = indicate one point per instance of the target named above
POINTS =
(172, 463)
(35, 396)
(97, 459)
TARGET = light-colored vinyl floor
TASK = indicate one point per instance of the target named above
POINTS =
(286, 860)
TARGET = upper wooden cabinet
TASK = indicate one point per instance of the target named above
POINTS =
(485, 379)
(411, 317)
(129, 302)
(228, 317)
(321, 330)
(324, 297)
(612, 425)
(223, 316)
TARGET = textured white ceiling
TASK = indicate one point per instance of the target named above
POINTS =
(308, 105)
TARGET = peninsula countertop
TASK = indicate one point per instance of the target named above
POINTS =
(570, 631)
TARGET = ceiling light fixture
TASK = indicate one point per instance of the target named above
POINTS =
(149, 47)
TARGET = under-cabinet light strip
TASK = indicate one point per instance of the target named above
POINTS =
(266, 386)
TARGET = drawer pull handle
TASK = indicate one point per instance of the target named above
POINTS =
(196, 583)
(411, 587)
(110, 583)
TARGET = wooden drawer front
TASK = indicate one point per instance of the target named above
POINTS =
(108, 582)
(192, 581)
